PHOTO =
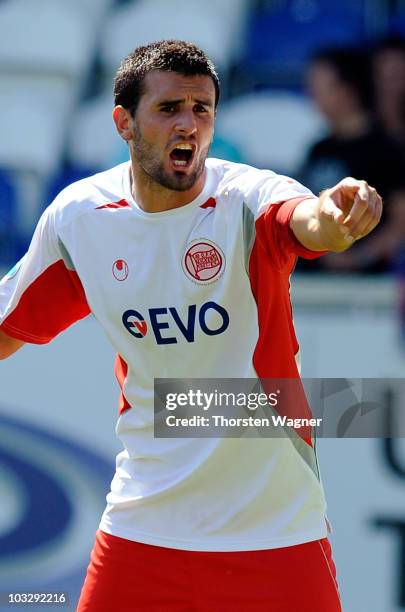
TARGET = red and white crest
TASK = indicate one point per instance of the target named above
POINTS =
(203, 261)
(120, 270)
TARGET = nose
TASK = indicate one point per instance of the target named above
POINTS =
(186, 123)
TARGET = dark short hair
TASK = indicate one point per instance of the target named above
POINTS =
(168, 55)
(352, 67)
(389, 43)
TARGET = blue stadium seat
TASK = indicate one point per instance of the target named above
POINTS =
(67, 175)
(282, 36)
(8, 211)
(396, 24)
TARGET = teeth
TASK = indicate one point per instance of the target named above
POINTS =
(179, 162)
(187, 147)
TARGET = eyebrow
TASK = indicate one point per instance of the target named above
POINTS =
(179, 101)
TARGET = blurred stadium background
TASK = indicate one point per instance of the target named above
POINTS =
(58, 402)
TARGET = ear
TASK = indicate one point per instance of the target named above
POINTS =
(123, 122)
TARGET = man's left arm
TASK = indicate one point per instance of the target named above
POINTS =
(345, 213)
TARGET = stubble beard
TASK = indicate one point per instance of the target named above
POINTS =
(147, 156)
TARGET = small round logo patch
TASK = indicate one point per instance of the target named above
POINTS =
(203, 261)
(120, 270)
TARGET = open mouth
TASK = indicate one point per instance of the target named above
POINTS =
(182, 155)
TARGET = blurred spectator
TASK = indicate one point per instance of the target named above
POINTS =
(389, 101)
(389, 87)
(340, 84)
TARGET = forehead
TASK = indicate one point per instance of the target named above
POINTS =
(161, 85)
(323, 71)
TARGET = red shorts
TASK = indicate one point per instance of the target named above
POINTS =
(131, 577)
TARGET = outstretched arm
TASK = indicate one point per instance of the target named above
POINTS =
(345, 213)
(8, 345)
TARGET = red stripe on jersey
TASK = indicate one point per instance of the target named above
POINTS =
(271, 262)
(54, 301)
(269, 272)
(121, 371)
(210, 203)
(119, 204)
(287, 239)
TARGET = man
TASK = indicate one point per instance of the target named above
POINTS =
(388, 78)
(185, 262)
(340, 84)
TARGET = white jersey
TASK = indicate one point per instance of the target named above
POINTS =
(200, 291)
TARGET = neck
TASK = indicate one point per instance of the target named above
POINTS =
(153, 197)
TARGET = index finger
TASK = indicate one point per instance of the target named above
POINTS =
(362, 203)
(351, 186)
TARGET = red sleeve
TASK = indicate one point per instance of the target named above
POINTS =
(42, 295)
(49, 304)
(283, 245)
